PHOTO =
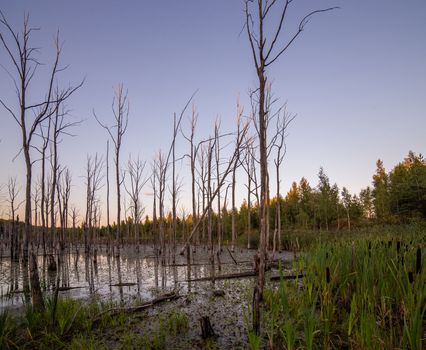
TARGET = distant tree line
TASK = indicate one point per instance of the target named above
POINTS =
(395, 197)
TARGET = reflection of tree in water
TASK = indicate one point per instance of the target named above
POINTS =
(133, 275)
(120, 286)
(109, 272)
(188, 267)
(163, 275)
(156, 271)
(138, 275)
(76, 265)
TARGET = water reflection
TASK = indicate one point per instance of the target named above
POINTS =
(131, 275)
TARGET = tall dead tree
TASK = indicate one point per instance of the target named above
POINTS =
(234, 171)
(13, 193)
(193, 155)
(160, 173)
(248, 164)
(174, 188)
(64, 192)
(74, 216)
(219, 209)
(135, 169)
(120, 109)
(154, 177)
(228, 169)
(283, 120)
(202, 191)
(267, 46)
(93, 179)
(60, 127)
(210, 150)
(45, 135)
(107, 187)
(29, 115)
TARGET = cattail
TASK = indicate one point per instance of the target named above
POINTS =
(410, 277)
(398, 246)
(418, 260)
(327, 274)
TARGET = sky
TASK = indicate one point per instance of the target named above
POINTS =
(356, 78)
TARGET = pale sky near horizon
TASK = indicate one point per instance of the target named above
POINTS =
(356, 78)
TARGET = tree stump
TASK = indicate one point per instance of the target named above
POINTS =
(206, 327)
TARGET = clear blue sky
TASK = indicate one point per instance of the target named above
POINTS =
(356, 79)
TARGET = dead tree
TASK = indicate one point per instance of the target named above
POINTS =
(218, 161)
(160, 173)
(74, 216)
(36, 198)
(13, 193)
(135, 169)
(107, 187)
(267, 46)
(174, 188)
(29, 115)
(210, 150)
(234, 170)
(64, 192)
(45, 135)
(220, 182)
(192, 156)
(202, 190)
(248, 164)
(60, 127)
(120, 109)
(93, 179)
(283, 120)
(154, 177)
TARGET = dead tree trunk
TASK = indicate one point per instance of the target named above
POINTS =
(107, 189)
(120, 109)
(13, 193)
(234, 170)
(265, 53)
(29, 115)
(283, 120)
(220, 183)
(219, 209)
(135, 169)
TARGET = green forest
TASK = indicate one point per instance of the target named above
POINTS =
(397, 196)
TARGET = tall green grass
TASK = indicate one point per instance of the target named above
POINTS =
(364, 291)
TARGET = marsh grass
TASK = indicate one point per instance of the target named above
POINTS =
(364, 291)
(76, 325)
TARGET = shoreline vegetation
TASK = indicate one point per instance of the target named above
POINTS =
(360, 289)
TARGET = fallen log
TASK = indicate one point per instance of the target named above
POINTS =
(224, 277)
(114, 311)
(207, 263)
(243, 275)
(124, 284)
(64, 289)
(286, 277)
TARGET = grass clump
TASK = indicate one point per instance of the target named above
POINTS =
(366, 291)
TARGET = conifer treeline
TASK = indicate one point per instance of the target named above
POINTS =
(397, 196)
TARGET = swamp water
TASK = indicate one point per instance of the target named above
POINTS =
(141, 276)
